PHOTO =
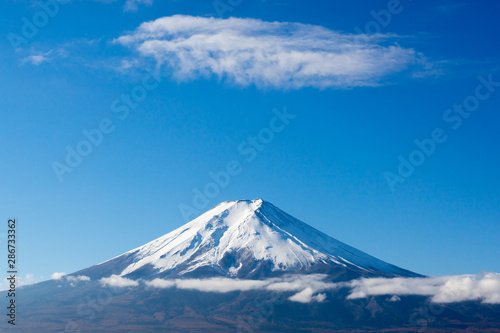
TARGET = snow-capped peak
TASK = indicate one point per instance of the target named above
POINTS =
(238, 238)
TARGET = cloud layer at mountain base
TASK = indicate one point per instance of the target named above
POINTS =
(310, 288)
(224, 285)
(442, 289)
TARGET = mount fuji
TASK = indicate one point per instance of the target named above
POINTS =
(244, 239)
(243, 266)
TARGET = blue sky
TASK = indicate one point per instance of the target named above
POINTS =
(362, 92)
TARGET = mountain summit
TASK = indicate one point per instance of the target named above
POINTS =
(244, 239)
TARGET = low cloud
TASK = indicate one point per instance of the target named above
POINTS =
(311, 288)
(28, 279)
(307, 296)
(57, 275)
(280, 55)
(300, 282)
(73, 280)
(305, 284)
(161, 284)
(118, 281)
(442, 289)
(221, 285)
(77, 278)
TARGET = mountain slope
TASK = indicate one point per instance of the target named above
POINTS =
(244, 239)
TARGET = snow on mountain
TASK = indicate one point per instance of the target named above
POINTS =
(240, 239)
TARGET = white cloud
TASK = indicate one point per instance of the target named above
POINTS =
(28, 279)
(160, 283)
(306, 284)
(61, 275)
(221, 285)
(73, 280)
(397, 286)
(306, 296)
(470, 287)
(77, 278)
(270, 54)
(299, 282)
(31, 279)
(20, 281)
(118, 281)
(442, 289)
(57, 275)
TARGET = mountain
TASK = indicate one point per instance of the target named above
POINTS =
(244, 239)
(185, 281)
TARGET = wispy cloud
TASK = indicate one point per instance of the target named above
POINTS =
(28, 279)
(279, 55)
(37, 59)
(93, 54)
(130, 5)
(133, 5)
(21, 281)
(450, 7)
